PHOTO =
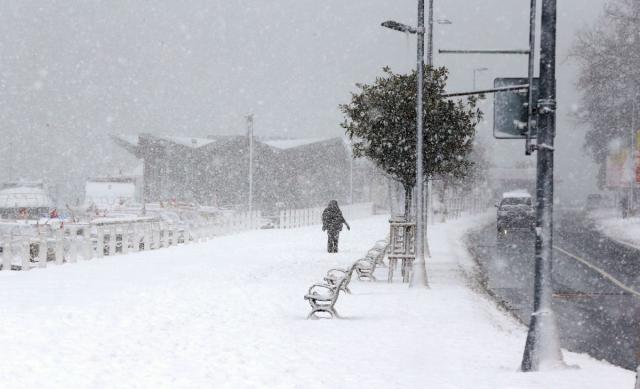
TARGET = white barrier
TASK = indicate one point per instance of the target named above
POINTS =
(67, 244)
(293, 218)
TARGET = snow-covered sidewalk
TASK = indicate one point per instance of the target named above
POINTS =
(230, 313)
(610, 223)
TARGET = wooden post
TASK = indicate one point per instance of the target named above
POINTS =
(42, 252)
(135, 238)
(126, 234)
(59, 236)
(25, 254)
(7, 255)
(87, 244)
(112, 242)
(100, 243)
(156, 236)
(186, 232)
(146, 240)
(164, 235)
(73, 245)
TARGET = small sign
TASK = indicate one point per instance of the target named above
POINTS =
(511, 109)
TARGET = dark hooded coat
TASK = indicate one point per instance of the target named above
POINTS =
(332, 218)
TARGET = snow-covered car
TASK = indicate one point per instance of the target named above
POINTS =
(515, 213)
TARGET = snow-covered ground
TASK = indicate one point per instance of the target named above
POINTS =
(609, 222)
(230, 313)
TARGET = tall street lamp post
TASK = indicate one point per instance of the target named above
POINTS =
(250, 135)
(419, 273)
(542, 347)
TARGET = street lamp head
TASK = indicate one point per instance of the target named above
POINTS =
(399, 27)
(481, 69)
(443, 21)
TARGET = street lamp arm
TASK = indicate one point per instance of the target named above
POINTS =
(399, 27)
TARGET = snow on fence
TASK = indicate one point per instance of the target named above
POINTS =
(293, 218)
(455, 206)
(73, 242)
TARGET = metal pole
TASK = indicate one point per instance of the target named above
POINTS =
(632, 155)
(426, 194)
(419, 273)
(515, 51)
(430, 44)
(532, 56)
(250, 132)
(542, 348)
(351, 179)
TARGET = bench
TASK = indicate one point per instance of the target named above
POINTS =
(366, 267)
(323, 297)
(334, 276)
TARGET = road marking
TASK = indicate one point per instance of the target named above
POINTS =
(606, 275)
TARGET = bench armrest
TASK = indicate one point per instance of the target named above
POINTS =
(312, 289)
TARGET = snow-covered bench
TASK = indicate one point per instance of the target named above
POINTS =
(366, 267)
(335, 275)
(323, 297)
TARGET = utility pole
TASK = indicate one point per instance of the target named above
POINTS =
(634, 112)
(542, 348)
(250, 135)
(633, 155)
(419, 273)
(351, 179)
(430, 43)
(426, 187)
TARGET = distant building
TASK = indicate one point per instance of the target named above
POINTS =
(215, 170)
(24, 200)
(110, 192)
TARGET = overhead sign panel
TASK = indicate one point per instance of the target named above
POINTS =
(511, 108)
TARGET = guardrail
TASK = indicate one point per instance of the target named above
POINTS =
(74, 242)
(455, 206)
(293, 218)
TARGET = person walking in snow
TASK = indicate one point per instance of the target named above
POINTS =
(332, 221)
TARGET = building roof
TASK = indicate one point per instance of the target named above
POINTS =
(24, 197)
(132, 143)
(181, 140)
(284, 144)
(107, 194)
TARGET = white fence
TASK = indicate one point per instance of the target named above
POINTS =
(293, 218)
(456, 204)
(80, 242)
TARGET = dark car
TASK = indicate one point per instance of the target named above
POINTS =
(515, 213)
(594, 201)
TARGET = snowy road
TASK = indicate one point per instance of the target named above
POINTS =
(230, 313)
(595, 315)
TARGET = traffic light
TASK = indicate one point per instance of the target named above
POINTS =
(511, 109)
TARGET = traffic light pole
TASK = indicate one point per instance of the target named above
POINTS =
(542, 348)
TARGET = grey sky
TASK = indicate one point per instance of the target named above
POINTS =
(73, 72)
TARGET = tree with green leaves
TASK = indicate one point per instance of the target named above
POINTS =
(380, 120)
